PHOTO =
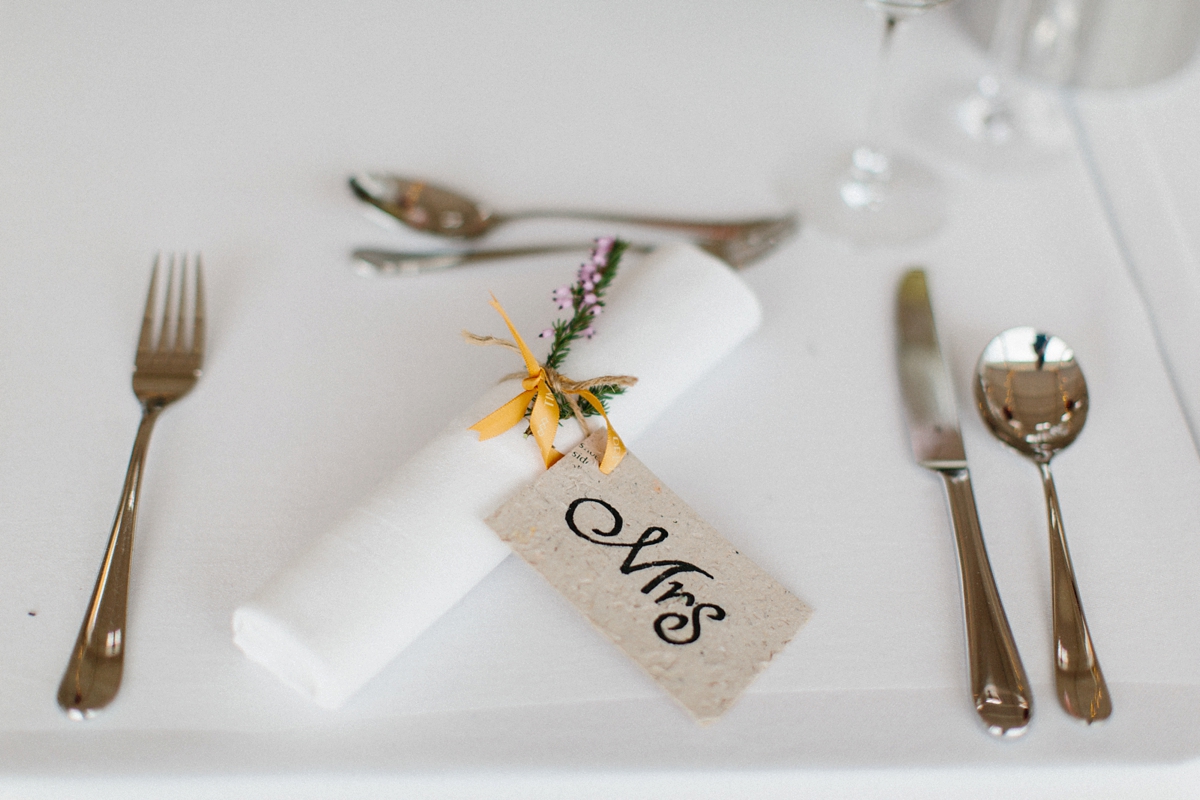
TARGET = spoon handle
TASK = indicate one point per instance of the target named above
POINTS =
(998, 681)
(1082, 691)
(712, 231)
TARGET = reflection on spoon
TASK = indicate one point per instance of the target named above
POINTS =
(1032, 395)
(444, 212)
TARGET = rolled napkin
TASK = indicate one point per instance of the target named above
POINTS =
(336, 615)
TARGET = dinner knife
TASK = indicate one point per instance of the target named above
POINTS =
(998, 681)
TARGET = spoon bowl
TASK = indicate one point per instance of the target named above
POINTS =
(426, 208)
(1032, 394)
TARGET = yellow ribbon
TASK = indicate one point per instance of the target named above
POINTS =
(539, 386)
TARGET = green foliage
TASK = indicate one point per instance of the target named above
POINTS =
(568, 331)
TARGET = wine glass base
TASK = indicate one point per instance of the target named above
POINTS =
(1016, 128)
(1016, 118)
(905, 204)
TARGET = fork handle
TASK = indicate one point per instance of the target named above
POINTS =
(93, 674)
(393, 261)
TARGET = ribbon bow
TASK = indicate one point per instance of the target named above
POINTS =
(540, 385)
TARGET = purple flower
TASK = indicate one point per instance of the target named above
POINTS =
(590, 299)
(596, 310)
(604, 246)
(588, 332)
(547, 334)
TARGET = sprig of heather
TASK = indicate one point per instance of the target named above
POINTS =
(585, 298)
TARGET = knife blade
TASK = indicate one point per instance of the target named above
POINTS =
(998, 682)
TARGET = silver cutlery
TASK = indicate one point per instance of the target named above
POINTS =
(998, 682)
(444, 212)
(416, 263)
(1032, 394)
(166, 367)
(735, 252)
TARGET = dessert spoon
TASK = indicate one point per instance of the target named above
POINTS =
(1032, 395)
(444, 212)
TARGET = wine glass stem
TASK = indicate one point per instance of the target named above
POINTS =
(874, 117)
(870, 167)
(1004, 51)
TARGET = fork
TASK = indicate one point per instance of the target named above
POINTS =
(166, 367)
(739, 252)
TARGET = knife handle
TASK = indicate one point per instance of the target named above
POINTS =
(998, 681)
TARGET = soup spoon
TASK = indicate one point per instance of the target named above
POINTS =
(444, 212)
(1032, 394)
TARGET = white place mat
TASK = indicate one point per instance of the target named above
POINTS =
(796, 450)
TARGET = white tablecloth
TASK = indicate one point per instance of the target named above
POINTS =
(127, 128)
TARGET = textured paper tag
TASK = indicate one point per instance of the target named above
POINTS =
(699, 617)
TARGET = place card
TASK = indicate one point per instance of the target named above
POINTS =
(661, 583)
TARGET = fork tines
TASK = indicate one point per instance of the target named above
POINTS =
(173, 333)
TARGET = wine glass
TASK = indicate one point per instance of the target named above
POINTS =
(1002, 118)
(883, 197)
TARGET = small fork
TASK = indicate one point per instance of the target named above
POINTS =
(752, 245)
(165, 369)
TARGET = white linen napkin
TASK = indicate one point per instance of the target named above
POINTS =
(333, 618)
